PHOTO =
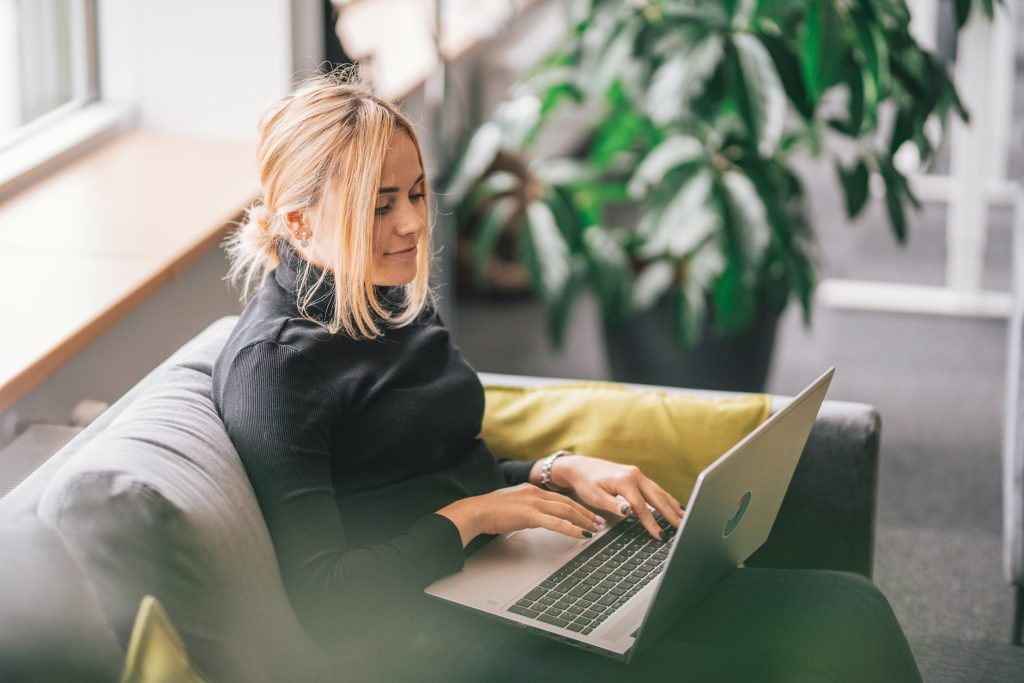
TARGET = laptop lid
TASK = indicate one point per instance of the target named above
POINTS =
(732, 509)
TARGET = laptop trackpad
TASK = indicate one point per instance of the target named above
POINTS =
(506, 566)
(542, 542)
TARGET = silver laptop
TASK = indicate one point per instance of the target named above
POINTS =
(622, 588)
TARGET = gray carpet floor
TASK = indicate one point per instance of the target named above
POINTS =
(938, 383)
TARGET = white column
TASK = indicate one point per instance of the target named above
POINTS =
(971, 159)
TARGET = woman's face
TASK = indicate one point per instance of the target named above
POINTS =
(400, 218)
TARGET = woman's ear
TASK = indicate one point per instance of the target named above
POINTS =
(297, 226)
(295, 220)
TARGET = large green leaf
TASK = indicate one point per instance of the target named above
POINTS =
(855, 187)
(651, 283)
(615, 135)
(813, 48)
(563, 170)
(547, 252)
(734, 300)
(611, 272)
(681, 78)
(876, 58)
(689, 314)
(495, 183)
(673, 151)
(612, 60)
(517, 118)
(483, 147)
(963, 11)
(750, 217)
(822, 46)
(788, 66)
(764, 96)
(685, 221)
(494, 223)
(560, 308)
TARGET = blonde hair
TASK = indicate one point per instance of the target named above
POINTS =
(321, 150)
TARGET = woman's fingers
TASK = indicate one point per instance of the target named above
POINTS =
(560, 525)
(636, 501)
(575, 514)
(552, 497)
(662, 501)
(600, 498)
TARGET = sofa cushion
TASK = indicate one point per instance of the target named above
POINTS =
(158, 503)
(670, 436)
(51, 624)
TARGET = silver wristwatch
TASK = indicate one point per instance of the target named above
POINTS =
(545, 472)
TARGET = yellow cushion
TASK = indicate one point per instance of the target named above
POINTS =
(156, 653)
(670, 436)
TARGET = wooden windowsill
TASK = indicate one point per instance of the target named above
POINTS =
(85, 246)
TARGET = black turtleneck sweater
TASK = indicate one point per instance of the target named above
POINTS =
(351, 446)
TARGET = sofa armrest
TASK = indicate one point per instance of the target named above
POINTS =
(827, 519)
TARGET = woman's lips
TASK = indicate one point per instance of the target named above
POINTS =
(406, 253)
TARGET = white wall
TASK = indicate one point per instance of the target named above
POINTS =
(202, 68)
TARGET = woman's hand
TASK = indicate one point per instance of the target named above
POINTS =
(521, 507)
(622, 489)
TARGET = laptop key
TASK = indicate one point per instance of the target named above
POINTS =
(578, 628)
(591, 614)
(607, 599)
(561, 604)
(548, 619)
(533, 614)
(579, 591)
(535, 594)
(546, 600)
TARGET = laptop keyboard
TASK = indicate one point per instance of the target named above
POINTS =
(585, 591)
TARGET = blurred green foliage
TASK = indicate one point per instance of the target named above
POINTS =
(695, 112)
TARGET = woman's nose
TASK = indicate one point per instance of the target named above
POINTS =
(410, 221)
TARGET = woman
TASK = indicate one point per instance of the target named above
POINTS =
(357, 421)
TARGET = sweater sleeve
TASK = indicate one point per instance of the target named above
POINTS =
(278, 415)
(515, 471)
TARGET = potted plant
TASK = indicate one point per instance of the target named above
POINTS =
(682, 208)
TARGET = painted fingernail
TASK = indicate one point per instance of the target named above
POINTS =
(600, 521)
(588, 534)
(624, 509)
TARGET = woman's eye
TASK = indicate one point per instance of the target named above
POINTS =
(381, 210)
(417, 197)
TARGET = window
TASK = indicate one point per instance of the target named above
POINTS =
(47, 63)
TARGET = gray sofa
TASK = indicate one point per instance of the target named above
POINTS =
(152, 498)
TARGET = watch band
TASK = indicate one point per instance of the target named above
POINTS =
(545, 472)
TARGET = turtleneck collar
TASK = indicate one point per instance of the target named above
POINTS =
(289, 271)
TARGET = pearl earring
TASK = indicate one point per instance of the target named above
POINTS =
(305, 239)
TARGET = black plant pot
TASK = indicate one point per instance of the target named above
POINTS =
(645, 351)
